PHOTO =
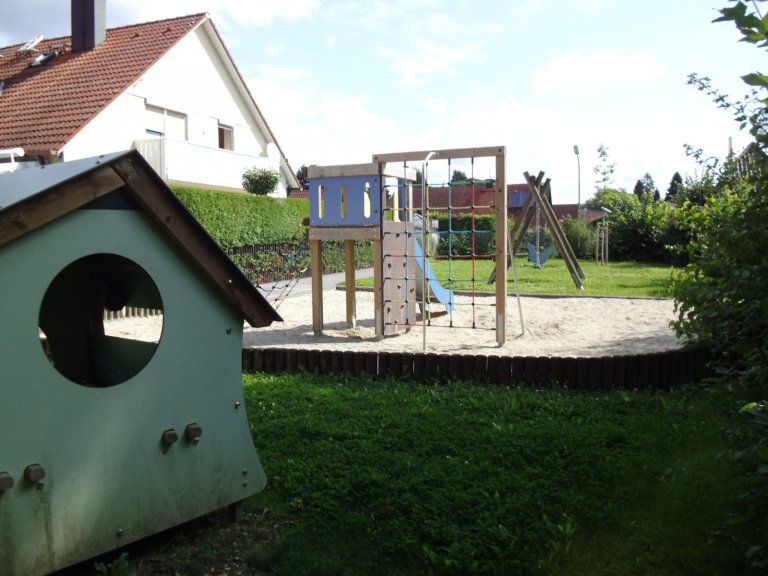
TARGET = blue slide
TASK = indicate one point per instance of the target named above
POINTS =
(442, 294)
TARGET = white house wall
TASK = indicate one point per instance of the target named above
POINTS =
(192, 79)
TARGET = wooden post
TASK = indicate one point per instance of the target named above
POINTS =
(349, 280)
(316, 249)
(501, 251)
(378, 286)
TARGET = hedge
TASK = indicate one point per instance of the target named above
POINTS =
(235, 220)
(265, 236)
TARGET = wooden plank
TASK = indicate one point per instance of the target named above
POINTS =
(518, 370)
(501, 251)
(559, 236)
(247, 360)
(371, 169)
(349, 281)
(451, 153)
(378, 288)
(316, 252)
(40, 209)
(344, 233)
(348, 362)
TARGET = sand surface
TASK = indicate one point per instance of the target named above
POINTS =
(552, 327)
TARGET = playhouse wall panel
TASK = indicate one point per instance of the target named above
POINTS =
(109, 480)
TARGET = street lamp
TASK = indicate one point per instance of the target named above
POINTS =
(578, 167)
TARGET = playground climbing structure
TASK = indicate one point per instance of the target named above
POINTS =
(376, 202)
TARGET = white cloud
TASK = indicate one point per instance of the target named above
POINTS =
(601, 69)
(422, 58)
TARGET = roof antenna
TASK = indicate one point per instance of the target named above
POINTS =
(30, 46)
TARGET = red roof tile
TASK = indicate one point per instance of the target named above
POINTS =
(43, 107)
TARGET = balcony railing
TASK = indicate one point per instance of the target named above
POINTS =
(184, 162)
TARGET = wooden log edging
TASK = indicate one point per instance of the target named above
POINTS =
(657, 370)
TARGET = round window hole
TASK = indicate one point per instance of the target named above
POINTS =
(101, 320)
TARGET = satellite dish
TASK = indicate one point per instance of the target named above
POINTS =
(273, 152)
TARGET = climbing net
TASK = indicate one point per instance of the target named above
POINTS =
(440, 237)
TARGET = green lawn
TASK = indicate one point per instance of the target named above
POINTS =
(626, 279)
(370, 477)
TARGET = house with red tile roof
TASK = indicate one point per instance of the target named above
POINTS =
(168, 88)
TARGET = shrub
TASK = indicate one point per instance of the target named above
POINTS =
(235, 220)
(457, 232)
(641, 228)
(581, 237)
(260, 181)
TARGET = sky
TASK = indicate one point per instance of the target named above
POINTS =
(341, 80)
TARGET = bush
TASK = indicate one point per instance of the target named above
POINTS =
(456, 234)
(641, 229)
(243, 220)
(581, 237)
(260, 181)
(720, 297)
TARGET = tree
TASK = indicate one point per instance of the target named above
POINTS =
(638, 189)
(604, 169)
(458, 176)
(260, 181)
(674, 187)
(649, 186)
(303, 177)
(604, 199)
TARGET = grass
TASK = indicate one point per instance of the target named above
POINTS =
(624, 279)
(384, 477)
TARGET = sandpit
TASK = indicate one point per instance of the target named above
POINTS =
(574, 326)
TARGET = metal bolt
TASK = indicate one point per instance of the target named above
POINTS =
(245, 472)
(169, 437)
(119, 533)
(193, 432)
(34, 474)
(237, 405)
(229, 330)
(6, 482)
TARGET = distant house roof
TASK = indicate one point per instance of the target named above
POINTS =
(43, 107)
(30, 199)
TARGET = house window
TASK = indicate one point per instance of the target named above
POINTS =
(162, 122)
(225, 138)
(77, 341)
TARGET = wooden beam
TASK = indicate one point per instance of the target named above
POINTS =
(557, 232)
(501, 251)
(349, 280)
(316, 251)
(335, 171)
(40, 209)
(346, 233)
(485, 152)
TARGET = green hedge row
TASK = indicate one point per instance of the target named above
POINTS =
(456, 234)
(244, 219)
(265, 236)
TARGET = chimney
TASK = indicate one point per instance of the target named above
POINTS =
(89, 24)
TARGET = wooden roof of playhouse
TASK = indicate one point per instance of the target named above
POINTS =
(31, 198)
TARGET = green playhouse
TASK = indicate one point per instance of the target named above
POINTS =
(107, 440)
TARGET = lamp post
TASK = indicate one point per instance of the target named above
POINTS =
(578, 167)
